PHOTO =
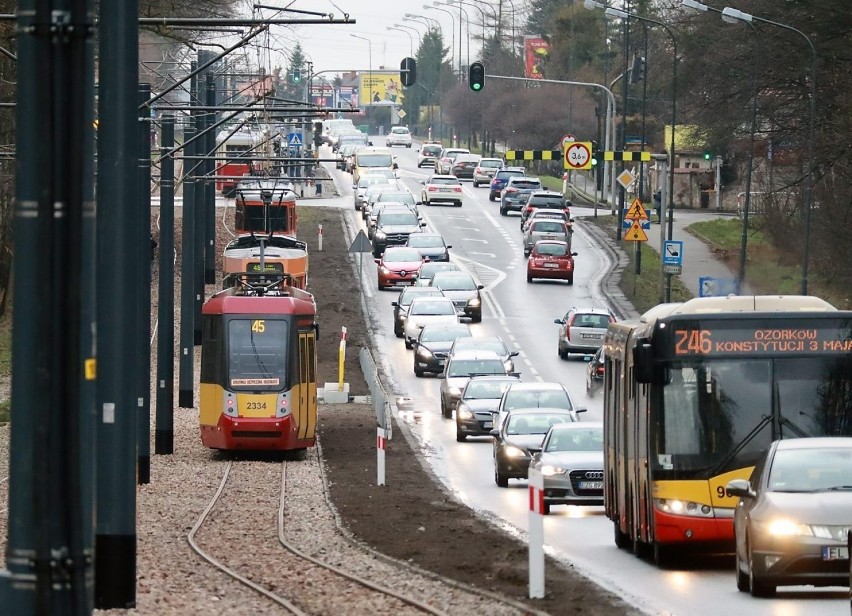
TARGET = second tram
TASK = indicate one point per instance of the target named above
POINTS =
(695, 392)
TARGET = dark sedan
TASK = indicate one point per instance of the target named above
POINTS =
(478, 405)
(463, 166)
(433, 345)
(519, 437)
(794, 515)
(430, 245)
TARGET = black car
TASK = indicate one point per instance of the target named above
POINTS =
(515, 193)
(500, 179)
(519, 437)
(478, 405)
(545, 199)
(595, 372)
(400, 306)
(463, 166)
(393, 226)
(433, 345)
(430, 245)
(463, 290)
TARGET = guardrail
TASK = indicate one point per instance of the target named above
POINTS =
(380, 397)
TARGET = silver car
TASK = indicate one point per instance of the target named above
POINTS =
(571, 461)
(545, 230)
(364, 183)
(461, 366)
(485, 170)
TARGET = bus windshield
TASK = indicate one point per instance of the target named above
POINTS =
(719, 415)
(257, 354)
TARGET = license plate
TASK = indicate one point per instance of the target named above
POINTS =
(486, 424)
(403, 283)
(591, 485)
(445, 190)
(835, 552)
(548, 237)
(592, 336)
(554, 265)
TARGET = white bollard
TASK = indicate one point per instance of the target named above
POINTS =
(319, 237)
(536, 533)
(381, 445)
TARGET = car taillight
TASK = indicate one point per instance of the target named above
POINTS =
(511, 190)
(568, 328)
(600, 370)
(477, 170)
(457, 188)
(431, 188)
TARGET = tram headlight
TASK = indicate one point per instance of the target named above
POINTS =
(682, 507)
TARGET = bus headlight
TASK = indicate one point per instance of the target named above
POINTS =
(680, 507)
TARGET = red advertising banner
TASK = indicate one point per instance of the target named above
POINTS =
(536, 51)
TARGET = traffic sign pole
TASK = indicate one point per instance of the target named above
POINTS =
(536, 534)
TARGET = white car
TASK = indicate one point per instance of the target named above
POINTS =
(428, 311)
(399, 135)
(442, 188)
(428, 154)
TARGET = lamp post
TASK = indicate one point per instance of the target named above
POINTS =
(466, 17)
(410, 39)
(618, 13)
(452, 31)
(731, 15)
(369, 66)
(413, 29)
(428, 21)
(481, 12)
(698, 6)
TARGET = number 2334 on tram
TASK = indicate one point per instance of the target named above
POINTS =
(258, 370)
(694, 393)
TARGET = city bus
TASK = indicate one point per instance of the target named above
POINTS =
(694, 392)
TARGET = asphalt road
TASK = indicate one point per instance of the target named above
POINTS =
(489, 245)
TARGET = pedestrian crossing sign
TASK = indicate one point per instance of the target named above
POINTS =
(636, 211)
(294, 139)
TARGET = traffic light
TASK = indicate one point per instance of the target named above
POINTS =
(408, 72)
(637, 69)
(476, 76)
(297, 75)
(708, 155)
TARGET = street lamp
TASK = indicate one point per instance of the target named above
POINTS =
(410, 39)
(731, 15)
(698, 6)
(369, 66)
(467, 17)
(413, 29)
(426, 20)
(619, 14)
(452, 31)
(478, 8)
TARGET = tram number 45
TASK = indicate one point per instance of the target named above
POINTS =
(258, 326)
(692, 342)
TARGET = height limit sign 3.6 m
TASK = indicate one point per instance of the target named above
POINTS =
(577, 155)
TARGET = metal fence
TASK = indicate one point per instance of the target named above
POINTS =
(381, 399)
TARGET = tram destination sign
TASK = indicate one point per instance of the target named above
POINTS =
(710, 339)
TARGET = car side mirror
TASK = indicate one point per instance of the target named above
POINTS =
(514, 353)
(369, 143)
(442, 375)
(423, 224)
(480, 286)
(739, 487)
(395, 304)
(559, 321)
(581, 409)
(574, 254)
(494, 433)
(423, 182)
(377, 260)
(517, 375)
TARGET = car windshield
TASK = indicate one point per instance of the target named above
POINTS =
(547, 226)
(399, 255)
(582, 439)
(425, 241)
(442, 334)
(466, 367)
(455, 283)
(433, 307)
(485, 390)
(447, 181)
(388, 173)
(526, 184)
(811, 470)
(400, 219)
(374, 160)
(595, 321)
(372, 180)
(534, 423)
(502, 175)
(556, 250)
(399, 131)
(409, 294)
(431, 150)
(398, 197)
(486, 345)
(491, 164)
(430, 269)
(554, 202)
(524, 399)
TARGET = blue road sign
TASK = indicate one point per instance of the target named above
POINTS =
(673, 252)
(626, 224)
(294, 139)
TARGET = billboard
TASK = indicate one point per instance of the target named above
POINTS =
(536, 51)
(379, 89)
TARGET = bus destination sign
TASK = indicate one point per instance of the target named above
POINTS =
(708, 341)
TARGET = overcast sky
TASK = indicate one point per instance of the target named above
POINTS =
(333, 47)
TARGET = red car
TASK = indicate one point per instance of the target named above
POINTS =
(399, 266)
(551, 259)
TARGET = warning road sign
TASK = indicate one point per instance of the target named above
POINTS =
(578, 155)
(636, 233)
(636, 211)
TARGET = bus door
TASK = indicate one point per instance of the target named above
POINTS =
(307, 385)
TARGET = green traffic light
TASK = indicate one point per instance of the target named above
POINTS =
(476, 86)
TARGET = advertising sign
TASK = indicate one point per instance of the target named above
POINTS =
(536, 51)
(379, 89)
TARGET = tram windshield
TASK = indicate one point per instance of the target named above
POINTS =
(718, 415)
(257, 354)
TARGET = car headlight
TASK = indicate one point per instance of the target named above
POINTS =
(788, 528)
(380, 235)
(474, 302)
(384, 270)
(464, 413)
(549, 470)
(679, 507)
(514, 452)
(423, 353)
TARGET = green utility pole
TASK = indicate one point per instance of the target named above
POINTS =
(197, 118)
(50, 543)
(187, 284)
(209, 184)
(164, 432)
(142, 240)
(118, 314)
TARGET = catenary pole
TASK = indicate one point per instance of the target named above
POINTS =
(142, 241)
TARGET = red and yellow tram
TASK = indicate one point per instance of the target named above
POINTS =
(258, 367)
(265, 205)
(278, 255)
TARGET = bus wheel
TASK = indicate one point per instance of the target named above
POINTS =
(621, 539)
(663, 555)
